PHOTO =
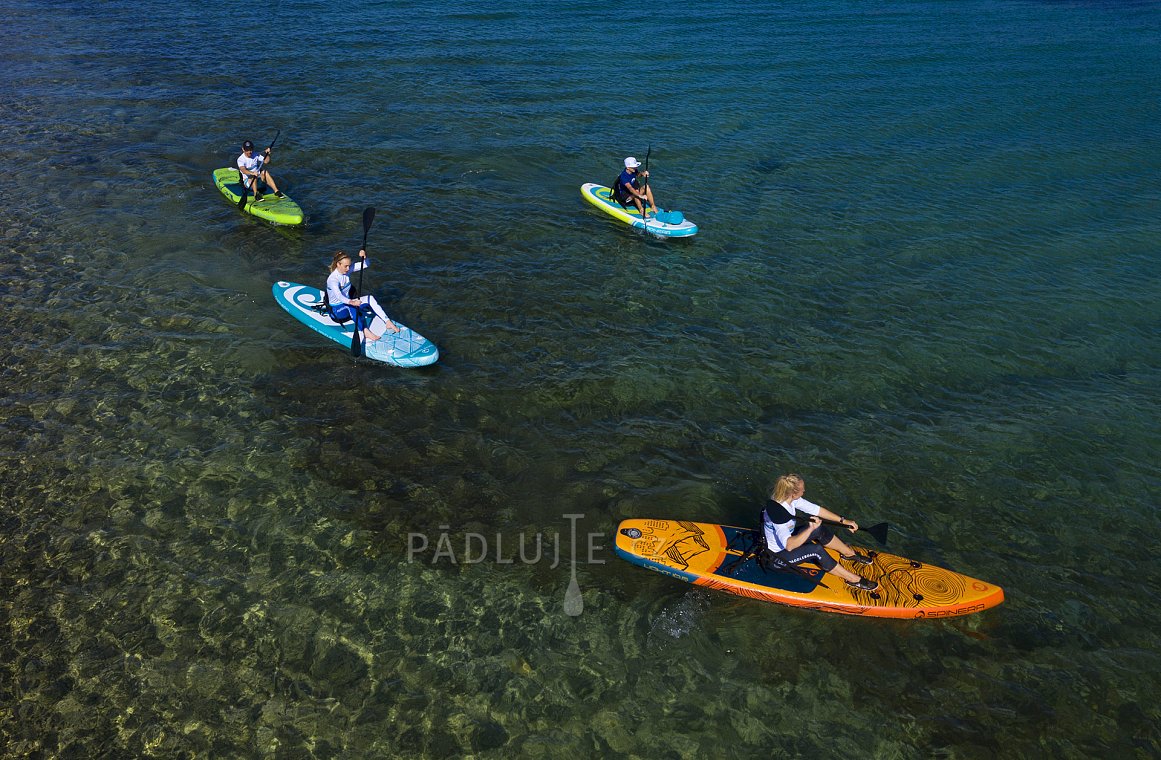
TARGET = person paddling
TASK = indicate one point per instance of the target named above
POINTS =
(808, 543)
(628, 188)
(343, 306)
(252, 167)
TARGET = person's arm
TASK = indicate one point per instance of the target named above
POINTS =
(362, 263)
(826, 514)
(800, 538)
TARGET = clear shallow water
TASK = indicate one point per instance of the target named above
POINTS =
(934, 295)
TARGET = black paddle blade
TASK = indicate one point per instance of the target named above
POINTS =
(356, 348)
(368, 217)
(878, 532)
(242, 198)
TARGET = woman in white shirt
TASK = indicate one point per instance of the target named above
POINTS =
(343, 307)
(807, 543)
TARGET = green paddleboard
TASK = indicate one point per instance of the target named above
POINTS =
(276, 210)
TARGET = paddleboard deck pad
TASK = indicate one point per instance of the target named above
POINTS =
(271, 208)
(601, 197)
(721, 557)
(405, 348)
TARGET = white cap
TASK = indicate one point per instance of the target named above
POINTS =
(631, 163)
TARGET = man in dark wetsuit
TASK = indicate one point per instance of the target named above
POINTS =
(628, 189)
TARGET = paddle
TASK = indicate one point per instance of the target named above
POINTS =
(368, 218)
(645, 189)
(877, 532)
(245, 189)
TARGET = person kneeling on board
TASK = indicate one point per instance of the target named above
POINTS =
(808, 542)
(626, 188)
(343, 306)
(252, 167)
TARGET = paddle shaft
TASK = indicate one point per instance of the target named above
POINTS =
(877, 531)
(368, 218)
(645, 189)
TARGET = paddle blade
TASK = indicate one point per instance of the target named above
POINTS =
(368, 217)
(878, 532)
(356, 348)
(242, 197)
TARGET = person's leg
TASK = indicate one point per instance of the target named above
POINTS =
(377, 310)
(649, 195)
(845, 574)
(360, 323)
(341, 314)
(361, 320)
(839, 546)
(847, 552)
(269, 180)
(251, 184)
(813, 551)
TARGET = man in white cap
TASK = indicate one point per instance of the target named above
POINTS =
(252, 167)
(627, 188)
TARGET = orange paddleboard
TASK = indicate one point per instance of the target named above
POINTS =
(719, 557)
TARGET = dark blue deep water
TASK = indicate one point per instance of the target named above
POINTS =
(926, 278)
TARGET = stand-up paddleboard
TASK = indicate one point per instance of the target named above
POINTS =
(721, 557)
(405, 348)
(271, 208)
(664, 224)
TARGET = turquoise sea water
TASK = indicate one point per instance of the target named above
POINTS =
(926, 279)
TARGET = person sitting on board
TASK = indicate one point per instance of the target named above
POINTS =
(806, 543)
(626, 188)
(343, 307)
(252, 168)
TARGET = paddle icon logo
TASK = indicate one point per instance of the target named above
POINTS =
(574, 603)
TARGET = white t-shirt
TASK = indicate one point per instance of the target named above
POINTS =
(777, 534)
(251, 164)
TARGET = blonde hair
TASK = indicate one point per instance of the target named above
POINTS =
(785, 487)
(339, 256)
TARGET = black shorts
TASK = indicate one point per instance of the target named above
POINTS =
(812, 550)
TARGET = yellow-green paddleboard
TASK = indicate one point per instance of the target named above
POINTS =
(272, 209)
